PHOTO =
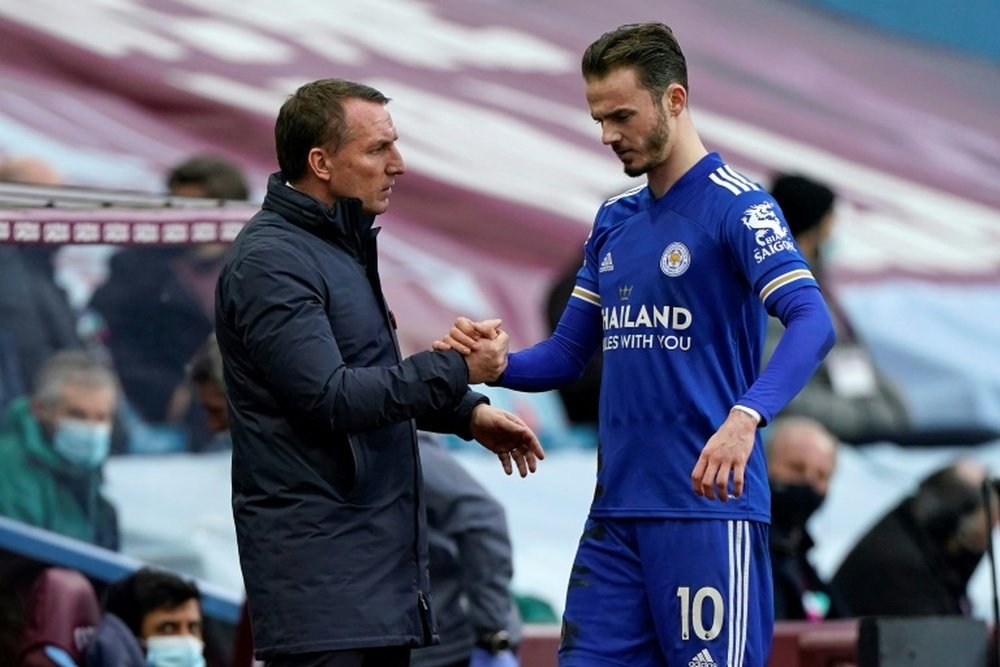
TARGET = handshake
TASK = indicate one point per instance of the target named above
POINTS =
(483, 344)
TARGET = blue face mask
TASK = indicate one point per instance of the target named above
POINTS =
(174, 651)
(84, 444)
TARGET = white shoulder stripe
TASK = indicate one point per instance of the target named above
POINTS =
(784, 279)
(714, 177)
(721, 171)
(590, 297)
(624, 194)
(740, 177)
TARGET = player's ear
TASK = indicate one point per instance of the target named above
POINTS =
(674, 98)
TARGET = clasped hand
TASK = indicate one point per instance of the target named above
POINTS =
(483, 344)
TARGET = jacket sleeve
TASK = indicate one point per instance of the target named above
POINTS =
(275, 304)
(455, 419)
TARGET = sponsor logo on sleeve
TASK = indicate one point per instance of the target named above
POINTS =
(770, 234)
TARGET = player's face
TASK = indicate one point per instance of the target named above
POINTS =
(635, 126)
(365, 166)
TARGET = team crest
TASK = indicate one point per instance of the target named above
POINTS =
(675, 259)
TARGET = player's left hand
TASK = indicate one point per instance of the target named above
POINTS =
(726, 453)
(508, 437)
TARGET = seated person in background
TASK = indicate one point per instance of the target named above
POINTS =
(207, 176)
(152, 618)
(470, 566)
(205, 372)
(158, 305)
(918, 559)
(801, 459)
(53, 447)
(29, 171)
(847, 394)
(35, 313)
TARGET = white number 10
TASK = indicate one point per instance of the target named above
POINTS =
(691, 612)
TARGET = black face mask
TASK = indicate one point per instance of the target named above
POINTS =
(793, 504)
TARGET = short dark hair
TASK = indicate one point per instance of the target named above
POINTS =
(650, 48)
(146, 590)
(220, 178)
(803, 201)
(206, 365)
(314, 116)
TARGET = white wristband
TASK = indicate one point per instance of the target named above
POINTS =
(750, 411)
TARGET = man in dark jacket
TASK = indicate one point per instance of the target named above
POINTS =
(918, 559)
(801, 459)
(327, 491)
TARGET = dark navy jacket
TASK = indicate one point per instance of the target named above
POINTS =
(326, 474)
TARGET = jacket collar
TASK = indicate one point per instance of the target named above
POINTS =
(343, 222)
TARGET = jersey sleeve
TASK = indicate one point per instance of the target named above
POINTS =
(762, 246)
(561, 358)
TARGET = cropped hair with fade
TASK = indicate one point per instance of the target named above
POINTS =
(71, 366)
(649, 48)
(314, 116)
(145, 590)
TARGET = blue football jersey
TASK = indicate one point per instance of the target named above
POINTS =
(680, 285)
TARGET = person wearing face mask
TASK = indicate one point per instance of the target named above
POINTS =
(848, 394)
(53, 445)
(152, 618)
(801, 459)
(918, 559)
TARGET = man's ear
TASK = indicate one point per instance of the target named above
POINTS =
(674, 98)
(319, 163)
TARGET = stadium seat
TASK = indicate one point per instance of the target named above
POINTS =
(62, 611)
(805, 644)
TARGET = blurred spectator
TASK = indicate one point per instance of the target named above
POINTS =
(205, 372)
(53, 447)
(847, 394)
(35, 315)
(470, 565)
(152, 619)
(207, 176)
(801, 459)
(918, 559)
(158, 304)
(29, 171)
(580, 398)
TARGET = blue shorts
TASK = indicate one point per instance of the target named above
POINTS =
(669, 593)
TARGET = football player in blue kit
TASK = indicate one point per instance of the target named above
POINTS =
(678, 275)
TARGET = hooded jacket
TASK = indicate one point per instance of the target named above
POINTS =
(326, 473)
(41, 488)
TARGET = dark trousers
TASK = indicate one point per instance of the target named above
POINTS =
(390, 656)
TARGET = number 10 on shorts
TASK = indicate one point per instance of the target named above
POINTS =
(692, 616)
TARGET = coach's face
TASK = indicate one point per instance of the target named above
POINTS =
(366, 164)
